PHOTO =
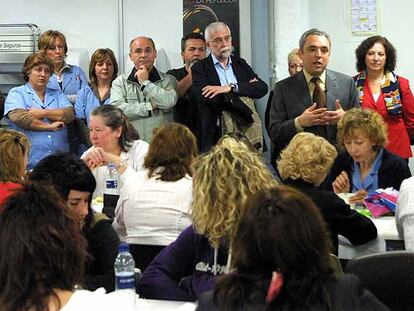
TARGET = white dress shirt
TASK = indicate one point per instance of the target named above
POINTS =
(404, 214)
(151, 211)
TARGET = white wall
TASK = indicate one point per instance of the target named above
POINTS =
(89, 25)
(395, 22)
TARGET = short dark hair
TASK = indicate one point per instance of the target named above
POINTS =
(65, 172)
(281, 230)
(41, 249)
(115, 118)
(173, 147)
(191, 35)
(313, 31)
(362, 50)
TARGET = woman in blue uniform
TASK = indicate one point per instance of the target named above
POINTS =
(103, 69)
(38, 111)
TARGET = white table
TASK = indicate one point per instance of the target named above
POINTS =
(387, 230)
(160, 305)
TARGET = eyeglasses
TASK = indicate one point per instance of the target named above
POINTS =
(218, 41)
(294, 66)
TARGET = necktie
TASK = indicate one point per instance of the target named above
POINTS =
(318, 96)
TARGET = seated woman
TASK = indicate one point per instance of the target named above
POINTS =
(304, 164)
(365, 165)
(114, 140)
(163, 188)
(73, 180)
(222, 180)
(43, 255)
(39, 112)
(14, 154)
(404, 213)
(103, 69)
(281, 255)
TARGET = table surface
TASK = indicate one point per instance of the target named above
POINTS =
(158, 305)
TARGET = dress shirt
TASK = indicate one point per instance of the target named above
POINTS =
(404, 214)
(370, 182)
(226, 75)
(87, 100)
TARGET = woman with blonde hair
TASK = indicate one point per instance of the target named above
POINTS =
(304, 164)
(222, 180)
(365, 165)
(14, 154)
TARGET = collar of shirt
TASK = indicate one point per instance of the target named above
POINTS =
(48, 95)
(95, 91)
(226, 75)
(153, 75)
(310, 84)
(370, 182)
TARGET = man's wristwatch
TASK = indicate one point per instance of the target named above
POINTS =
(232, 87)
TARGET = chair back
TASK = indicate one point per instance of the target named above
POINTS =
(389, 276)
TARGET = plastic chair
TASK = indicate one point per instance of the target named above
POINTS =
(389, 276)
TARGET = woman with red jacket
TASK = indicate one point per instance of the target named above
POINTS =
(380, 89)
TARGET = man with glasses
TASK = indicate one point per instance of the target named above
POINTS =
(146, 95)
(219, 82)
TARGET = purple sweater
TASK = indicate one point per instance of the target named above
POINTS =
(183, 270)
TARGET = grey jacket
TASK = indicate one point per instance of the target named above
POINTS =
(146, 106)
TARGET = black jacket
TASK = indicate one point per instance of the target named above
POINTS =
(338, 215)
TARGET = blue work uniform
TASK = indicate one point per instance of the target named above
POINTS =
(73, 79)
(42, 143)
(86, 101)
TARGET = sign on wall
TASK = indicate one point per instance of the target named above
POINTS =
(197, 14)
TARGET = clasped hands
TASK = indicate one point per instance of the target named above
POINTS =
(321, 116)
(342, 185)
(96, 157)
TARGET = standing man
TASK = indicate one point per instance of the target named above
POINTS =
(312, 100)
(146, 95)
(219, 83)
(193, 49)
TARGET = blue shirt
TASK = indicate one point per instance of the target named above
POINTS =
(370, 182)
(87, 101)
(42, 143)
(226, 75)
(73, 79)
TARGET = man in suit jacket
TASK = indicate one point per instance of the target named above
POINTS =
(219, 74)
(294, 108)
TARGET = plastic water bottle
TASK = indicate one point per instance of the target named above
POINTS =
(112, 180)
(125, 275)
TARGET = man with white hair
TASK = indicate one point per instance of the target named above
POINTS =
(221, 84)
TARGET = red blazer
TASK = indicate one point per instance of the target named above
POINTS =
(399, 128)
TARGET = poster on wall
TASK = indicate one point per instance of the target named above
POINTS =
(197, 14)
(364, 15)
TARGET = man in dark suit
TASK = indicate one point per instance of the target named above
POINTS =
(312, 100)
(217, 75)
(193, 49)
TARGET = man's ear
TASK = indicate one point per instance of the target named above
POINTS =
(130, 56)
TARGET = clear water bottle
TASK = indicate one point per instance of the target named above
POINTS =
(112, 180)
(125, 274)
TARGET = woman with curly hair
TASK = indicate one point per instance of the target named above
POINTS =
(222, 180)
(282, 262)
(380, 89)
(304, 164)
(366, 165)
(14, 155)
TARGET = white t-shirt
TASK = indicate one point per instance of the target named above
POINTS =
(151, 211)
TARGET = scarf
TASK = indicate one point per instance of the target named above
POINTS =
(390, 89)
